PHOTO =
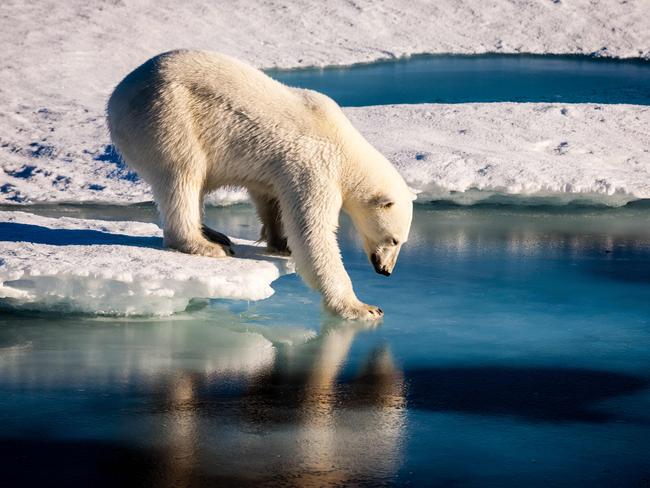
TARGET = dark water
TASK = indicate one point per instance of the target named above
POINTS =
(485, 78)
(515, 351)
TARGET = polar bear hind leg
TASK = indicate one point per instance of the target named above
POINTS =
(268, 211)
(180, 202)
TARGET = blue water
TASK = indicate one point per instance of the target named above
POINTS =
(515, 351)
(485, 78)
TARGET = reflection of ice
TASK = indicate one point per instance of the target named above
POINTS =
(136, 352)
(526, 232)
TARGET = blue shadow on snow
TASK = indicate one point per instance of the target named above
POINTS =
(36, 234)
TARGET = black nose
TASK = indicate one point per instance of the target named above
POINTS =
(374, 259)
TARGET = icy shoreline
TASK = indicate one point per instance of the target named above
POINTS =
(464, 153)
(118, 268)
(553, 153)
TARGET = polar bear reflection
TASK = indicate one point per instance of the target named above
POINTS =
(294, 422)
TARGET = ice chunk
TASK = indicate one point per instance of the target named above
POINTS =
(119, 268)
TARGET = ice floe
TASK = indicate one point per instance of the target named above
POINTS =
(530, 152)
(460, 152)
(57, 75)
(119, 268)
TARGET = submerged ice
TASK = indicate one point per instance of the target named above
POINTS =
(118, 268)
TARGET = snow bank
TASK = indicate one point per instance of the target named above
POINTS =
(118, 268)
(527, 152)
(463, 153)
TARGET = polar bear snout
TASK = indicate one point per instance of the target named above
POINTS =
(384, 262)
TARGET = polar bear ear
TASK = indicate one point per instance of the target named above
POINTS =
(414, 194)
(382, 201)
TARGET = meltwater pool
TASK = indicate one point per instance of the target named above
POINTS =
(481, 78)
(515, 351)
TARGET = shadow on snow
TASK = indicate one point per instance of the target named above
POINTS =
(36, 234)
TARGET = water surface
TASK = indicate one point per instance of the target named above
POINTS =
(484, 78)
(515, 351)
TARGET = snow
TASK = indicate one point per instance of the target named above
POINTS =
(463, 153)
(57, 72)
(118, 268)
(550, 153)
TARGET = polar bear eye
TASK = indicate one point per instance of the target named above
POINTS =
(381, 201)
(394, 241)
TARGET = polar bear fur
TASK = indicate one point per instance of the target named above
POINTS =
(190, 122)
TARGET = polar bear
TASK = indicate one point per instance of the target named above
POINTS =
(189, 122)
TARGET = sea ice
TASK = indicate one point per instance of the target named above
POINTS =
(458, 152)
(521, 152)
(56, 77)
(119, 268)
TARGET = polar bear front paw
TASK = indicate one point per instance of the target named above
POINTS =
(360, 311)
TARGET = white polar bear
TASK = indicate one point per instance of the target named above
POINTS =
(190, 122)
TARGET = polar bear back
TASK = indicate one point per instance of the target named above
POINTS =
(230, 109)
(213, 80)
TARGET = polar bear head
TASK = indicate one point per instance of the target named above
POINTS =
(384, 221)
